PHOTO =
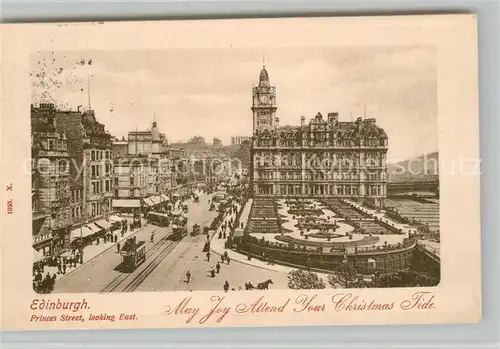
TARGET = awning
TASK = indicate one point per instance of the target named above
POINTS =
(115, 219)
(37, 256)
(81, 232)
(148, 201)
(155, 199)
(126, 203)
(103, 223)
(94, 228)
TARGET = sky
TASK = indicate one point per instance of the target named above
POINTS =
(208, 92)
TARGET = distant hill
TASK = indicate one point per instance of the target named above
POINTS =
(423, 166)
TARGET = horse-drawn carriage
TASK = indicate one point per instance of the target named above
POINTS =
(196, 199)
(178, 231)
(133, 253)
(196, 230)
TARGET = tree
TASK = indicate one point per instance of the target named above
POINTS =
(345, 275)
(405, 278)
(304, 280)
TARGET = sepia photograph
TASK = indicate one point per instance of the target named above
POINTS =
(234, 169)
(293, 172)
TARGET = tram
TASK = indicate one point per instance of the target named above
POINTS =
(159, 219)
(133, 253)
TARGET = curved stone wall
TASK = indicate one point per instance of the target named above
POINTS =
(367, 261)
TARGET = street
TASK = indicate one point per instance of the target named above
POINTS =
(100, 274)
(167, 263)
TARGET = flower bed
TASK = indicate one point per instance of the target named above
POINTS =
(323, 235)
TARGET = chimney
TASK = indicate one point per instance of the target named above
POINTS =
(333, 118)
(277, 122)
(302, 120)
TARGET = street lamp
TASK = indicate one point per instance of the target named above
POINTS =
(83, 220)
(104, 206)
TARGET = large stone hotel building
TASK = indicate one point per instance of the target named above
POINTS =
(322, 158)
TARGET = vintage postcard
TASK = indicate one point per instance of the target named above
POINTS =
(260, 172)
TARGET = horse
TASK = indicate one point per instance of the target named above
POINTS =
(264, 285)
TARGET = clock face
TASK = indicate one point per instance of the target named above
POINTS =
(263, 99)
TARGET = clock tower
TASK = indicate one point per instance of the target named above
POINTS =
(263, 103)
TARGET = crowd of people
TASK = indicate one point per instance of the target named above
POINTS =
(63, 263)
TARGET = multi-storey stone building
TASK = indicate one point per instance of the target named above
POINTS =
(202, 162)
(148, 142)
(76, 201)
(238, 140)
(91, 166)
(50, 182)
(153, 144)
(120, 147)
(131, 177)
(322, 158)
(98, 167)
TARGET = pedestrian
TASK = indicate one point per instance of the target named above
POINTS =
(217, 267)
(118, 248)
(116, 238)
(208, 256)
(226, 286)
(46, 282)
(228, 260)
(212, 272)
(59, 267)
(188, 277)
(63, 268)
(222, 258)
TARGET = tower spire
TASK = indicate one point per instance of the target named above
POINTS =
(264, 60)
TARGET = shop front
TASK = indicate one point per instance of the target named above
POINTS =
(81, 236)
(126, 206)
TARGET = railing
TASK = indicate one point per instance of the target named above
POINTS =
(281, 247)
